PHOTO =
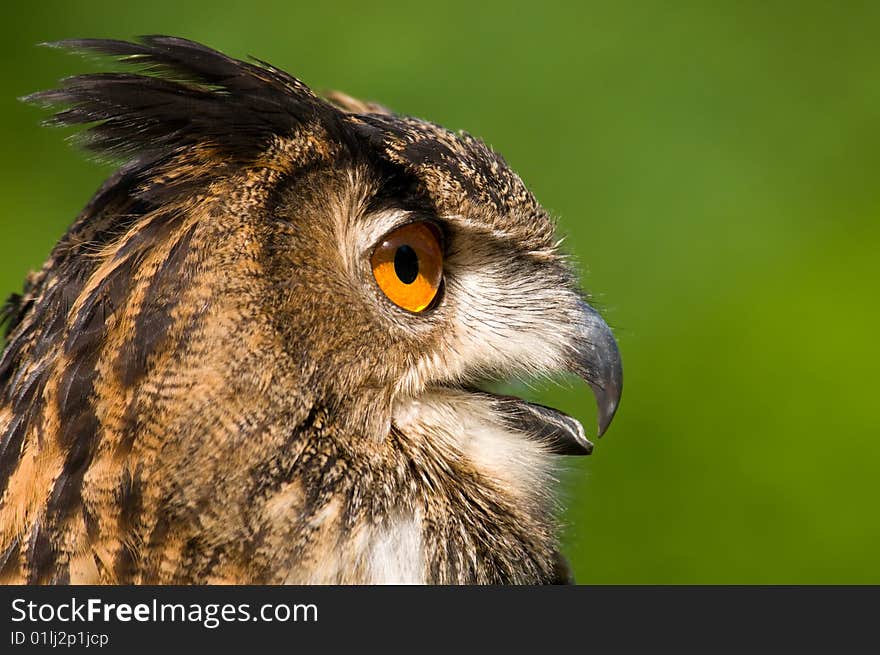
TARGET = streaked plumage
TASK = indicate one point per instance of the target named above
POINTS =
(205, 384)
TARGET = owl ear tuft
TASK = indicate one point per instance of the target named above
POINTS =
(184, 94)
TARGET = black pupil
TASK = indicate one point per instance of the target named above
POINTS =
(406, 264)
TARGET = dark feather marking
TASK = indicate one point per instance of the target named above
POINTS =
(89, 326)
(130, 430)
(27, 398)
(10, 449)
(55, 309)
(9, 363)
(130, 500)
(91, 523)
(130, 504)
(40, 556)
(154, 319)
(79, 436)
(11, 557)
(99, 566)
(76, 385)
(154, 545)
(11, 313)
(82, 433)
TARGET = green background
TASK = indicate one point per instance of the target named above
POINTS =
(715, 166)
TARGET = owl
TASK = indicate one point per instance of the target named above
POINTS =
(260, 353)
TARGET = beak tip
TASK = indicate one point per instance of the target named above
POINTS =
(607, 401)
(597, 360)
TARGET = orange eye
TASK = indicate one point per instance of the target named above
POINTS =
(408, 266)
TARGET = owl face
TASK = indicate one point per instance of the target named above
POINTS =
(440, 272)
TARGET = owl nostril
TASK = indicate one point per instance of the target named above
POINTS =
(406, 264)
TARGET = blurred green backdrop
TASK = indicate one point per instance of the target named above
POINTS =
(715, 166)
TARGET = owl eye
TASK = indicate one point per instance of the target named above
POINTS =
(408, 266)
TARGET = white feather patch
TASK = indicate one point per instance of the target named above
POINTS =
(398, 555)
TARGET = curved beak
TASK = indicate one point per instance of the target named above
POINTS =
(592, 355)
(595, 358)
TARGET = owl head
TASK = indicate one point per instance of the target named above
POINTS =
(390, 256)
(263, 252)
